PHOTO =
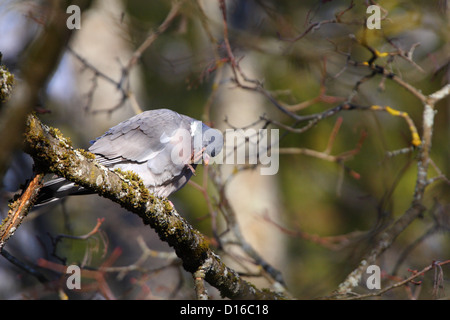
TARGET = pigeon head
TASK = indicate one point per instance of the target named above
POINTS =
(206, 141)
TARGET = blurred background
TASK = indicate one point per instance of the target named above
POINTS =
(315, 218)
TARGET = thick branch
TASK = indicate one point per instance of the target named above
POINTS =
(52, 153)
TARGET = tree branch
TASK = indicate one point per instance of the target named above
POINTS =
(19, 209)
(417, 208)
(52, 153)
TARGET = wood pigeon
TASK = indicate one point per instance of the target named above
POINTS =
(162, 146)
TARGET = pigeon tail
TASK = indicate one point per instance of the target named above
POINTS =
(57, 189)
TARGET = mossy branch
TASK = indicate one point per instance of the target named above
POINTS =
(53, 153)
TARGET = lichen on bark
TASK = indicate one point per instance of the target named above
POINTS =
(6, 83)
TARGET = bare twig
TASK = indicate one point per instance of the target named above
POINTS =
(199, 281)
(138, 265)
(318, 24)
(153, 35)
(19, 209)
(435, 265)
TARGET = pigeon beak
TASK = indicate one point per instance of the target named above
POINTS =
(206, 158)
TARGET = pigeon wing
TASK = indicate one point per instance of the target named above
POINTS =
(145, 139)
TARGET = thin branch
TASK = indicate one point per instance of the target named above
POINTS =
(440, 94)
(199, 281)
(153, 35)
(331, 242)
(410, 279)
(19, 209)
(146, 254)
(317, 25)
(24, 266)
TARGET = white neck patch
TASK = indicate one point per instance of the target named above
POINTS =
(195, 126)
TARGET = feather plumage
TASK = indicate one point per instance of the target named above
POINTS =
(157, 145)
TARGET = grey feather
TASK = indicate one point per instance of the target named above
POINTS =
(147, 144)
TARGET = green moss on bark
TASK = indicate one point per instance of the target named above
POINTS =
(6, 83)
